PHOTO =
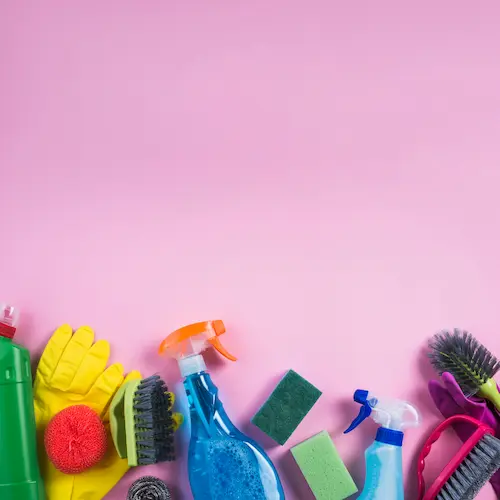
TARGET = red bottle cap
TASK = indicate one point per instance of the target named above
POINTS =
(9, 316)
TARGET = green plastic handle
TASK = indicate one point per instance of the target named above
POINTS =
(489, 391)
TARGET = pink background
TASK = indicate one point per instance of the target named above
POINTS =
(322, 176)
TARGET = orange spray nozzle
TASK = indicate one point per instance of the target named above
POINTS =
(195, 338)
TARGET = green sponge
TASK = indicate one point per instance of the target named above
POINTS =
(286, 407)
(323, 468)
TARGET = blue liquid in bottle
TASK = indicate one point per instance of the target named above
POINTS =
(223, 462)
(384, 472)
(384, 458)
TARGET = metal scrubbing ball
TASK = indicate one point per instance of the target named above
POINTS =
(149, 488)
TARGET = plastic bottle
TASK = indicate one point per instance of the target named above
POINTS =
(223, 462)
(19, 472)
(384, 459)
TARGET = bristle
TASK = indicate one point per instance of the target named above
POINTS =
(154, 424)
(444, 496)
(474, 472)
(462, 355)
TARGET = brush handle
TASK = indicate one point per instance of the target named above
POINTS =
(481, 430)
(489, 390)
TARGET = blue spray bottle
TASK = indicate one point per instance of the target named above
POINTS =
(222, 462)
(384, 458)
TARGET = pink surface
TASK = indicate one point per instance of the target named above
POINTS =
(323, 177)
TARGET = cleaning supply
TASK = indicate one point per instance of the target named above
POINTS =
(384, 460)
(72, 370)
(149, 488)
(142, 423)
(471, 467)
(19, 472)
(75, 439)
(472, 365)
(286, 407)
(223, 462)
(323, 468)
(450, 400)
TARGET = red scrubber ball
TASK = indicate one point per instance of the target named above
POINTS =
(75, 439)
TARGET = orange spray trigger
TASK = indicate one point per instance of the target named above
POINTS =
(216, 343)
(195, 338)
(218, 327)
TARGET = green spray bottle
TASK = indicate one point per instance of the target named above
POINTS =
(19, 472)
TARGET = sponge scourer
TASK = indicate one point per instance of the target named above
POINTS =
(323, 468)
(287, 406)
(75, 439)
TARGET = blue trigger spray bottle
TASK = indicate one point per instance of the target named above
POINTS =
(223, 462)
(384, 458)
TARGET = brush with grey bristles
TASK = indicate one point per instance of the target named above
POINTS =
(474, 472)
(154, 425)
(471, 467)
(470, 362)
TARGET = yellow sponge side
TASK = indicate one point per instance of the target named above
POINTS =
(323, 468)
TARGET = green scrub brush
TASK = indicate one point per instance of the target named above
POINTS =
(142, 423)
(472, 365)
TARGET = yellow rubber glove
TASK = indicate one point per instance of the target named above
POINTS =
(72, 370)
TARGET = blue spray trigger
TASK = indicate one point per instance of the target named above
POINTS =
(361, 397)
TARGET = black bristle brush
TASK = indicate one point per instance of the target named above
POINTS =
(142, 423)
(153, 422)
(470, 362)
